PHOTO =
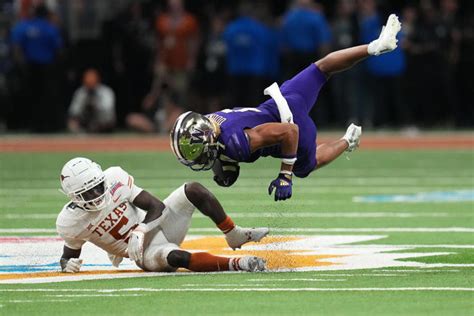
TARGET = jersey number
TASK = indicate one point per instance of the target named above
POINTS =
(115, 231)
(241, 110)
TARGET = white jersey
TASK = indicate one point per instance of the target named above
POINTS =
(109, 228)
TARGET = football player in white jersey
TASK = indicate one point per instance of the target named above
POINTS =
(110, 211)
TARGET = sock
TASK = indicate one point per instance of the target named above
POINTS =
(205, 262)
(226, 225)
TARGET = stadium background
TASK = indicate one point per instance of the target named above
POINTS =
(388, 232)
(425, 84)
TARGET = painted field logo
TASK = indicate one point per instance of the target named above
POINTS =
(35, 259)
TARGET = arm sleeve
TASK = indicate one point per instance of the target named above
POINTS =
(123, 184)
(238, 146)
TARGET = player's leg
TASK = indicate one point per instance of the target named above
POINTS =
(160, 255)
(207, 203)
(327, 152)
(206, 262)
(346, 58)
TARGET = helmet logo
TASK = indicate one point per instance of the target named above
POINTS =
(198, 136)
(63, 177)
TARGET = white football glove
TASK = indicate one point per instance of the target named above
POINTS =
(387, 40)
(116, 260)
(73, 265)
(135, 243)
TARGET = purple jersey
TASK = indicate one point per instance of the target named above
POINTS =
(301, 93)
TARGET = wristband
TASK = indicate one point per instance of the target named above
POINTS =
(286, 172)
(289, 161)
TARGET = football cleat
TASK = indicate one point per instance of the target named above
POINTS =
(247, 263)
(352, 137)
(387, 40)
(239, 236)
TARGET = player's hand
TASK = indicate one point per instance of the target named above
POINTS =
(282, 186)
(225, 172)
(135, 243)
(72, 265)
(116, 260)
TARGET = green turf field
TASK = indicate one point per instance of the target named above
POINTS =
(322, 205)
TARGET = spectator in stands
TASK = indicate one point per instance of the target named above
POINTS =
(345, 30)
(178, 34)
(426, 52)
(306, 35)
(158, 117)
(465, 106)
(37, 43)
(210, 80)
(93, 106)
(5, 69)
(384, 72)
(248, 41)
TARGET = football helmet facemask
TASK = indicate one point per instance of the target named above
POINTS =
(193, 140)
(83, 181)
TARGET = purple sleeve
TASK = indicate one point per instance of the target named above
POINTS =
(237, 146)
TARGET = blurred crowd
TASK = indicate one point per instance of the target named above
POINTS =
(101, 66)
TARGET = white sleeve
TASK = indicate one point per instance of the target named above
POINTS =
(73, 243)
(77, 103)
(124, 184)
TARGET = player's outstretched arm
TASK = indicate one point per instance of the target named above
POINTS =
(283, 134)
(346, 58)
(70, 261)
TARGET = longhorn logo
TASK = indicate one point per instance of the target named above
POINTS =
(63, 177)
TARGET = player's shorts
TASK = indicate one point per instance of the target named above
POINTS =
(301, 93)
(170, 234)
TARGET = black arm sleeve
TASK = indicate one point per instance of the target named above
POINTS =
(68, 253)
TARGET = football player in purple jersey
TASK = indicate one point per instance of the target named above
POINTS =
(280, 127)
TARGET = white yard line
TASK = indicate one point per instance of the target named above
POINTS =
(297, 279)
(362, 274)
(421, 269)
(252, 289)
(361, 230)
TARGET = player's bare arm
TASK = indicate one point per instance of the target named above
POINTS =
(283, 134)
(154, 216)
(153, 206)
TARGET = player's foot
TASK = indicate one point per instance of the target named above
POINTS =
(352, 137)
(387, 40)
(239, 236)
(247, 263)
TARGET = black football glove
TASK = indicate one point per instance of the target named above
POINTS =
(225, 172)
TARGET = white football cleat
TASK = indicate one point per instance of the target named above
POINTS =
(387, 40)
(239, 236)
(352, 137)
(247, 263)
